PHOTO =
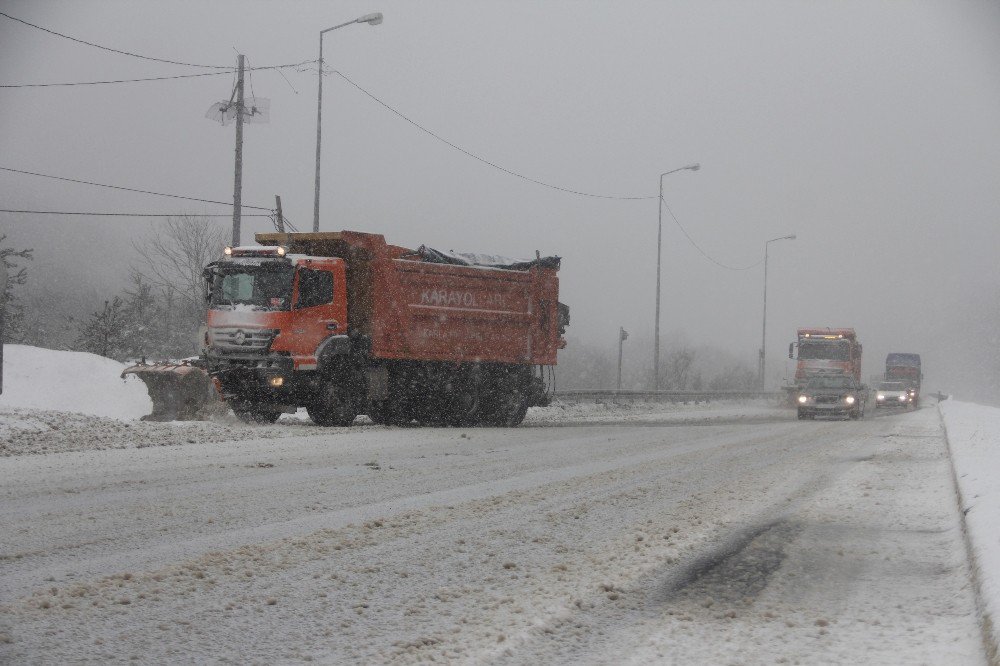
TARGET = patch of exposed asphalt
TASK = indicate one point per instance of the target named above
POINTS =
(734, 571)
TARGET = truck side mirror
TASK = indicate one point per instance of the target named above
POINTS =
(207, 278)
(791, 350)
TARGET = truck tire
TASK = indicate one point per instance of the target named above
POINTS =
(507, 410)
(506, 396)
(332, 408)
(256, 416)
(460, 406)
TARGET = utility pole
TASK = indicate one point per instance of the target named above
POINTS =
(277, 210)
(762, 356)
(238, 185)
(622, 336)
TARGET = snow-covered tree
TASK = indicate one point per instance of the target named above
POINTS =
(17, 274)
(106, 332)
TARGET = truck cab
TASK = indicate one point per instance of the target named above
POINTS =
(272, 315)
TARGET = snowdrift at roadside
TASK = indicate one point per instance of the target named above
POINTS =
(58, 401)
(974, 438)
(65, 381)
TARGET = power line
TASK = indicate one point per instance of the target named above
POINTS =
(483, 159)
(101, 83)
(107, 48)
(93, 214)
(703, 253)
(277, 68)
(544, 184)
(127, 189)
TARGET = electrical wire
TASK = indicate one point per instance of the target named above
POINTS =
(128, 189)
(277, 68)
(93, 214)
(101, 83)
(288, 223)
(483, 159)
(703, 253)
(544, 184)
(108, 48)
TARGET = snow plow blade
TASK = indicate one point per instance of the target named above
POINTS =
(179, 391)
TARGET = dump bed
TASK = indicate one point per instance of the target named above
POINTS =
(412, 306)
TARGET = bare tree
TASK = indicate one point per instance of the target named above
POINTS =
(176, 254)
(174, 257)
(679, 373)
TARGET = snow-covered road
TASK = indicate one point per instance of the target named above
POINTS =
(746, 540)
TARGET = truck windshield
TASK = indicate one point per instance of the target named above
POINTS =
(832, 350)
(264, 287)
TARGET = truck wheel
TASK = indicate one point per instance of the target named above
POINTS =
(508, 410)
(462, 407)
(256, 416)
(331, 409)
(505, 399)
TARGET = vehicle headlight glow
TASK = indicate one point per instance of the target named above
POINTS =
(803, 398)
(849, 400)
(880, 397)
(277, 381)
(902, 397)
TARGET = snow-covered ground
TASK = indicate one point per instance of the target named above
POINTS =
(720, 533)
(974, 439)
(35, 379)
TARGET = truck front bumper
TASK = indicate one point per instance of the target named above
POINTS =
(253, 376)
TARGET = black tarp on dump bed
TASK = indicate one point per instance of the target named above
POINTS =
(485, 260)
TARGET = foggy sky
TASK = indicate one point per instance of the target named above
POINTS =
(871, 130)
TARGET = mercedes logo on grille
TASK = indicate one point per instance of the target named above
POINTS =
(239, 337)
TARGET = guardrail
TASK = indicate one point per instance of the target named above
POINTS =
(612, 395)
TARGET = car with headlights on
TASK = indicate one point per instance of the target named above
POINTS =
(893, 394)
(832, 395)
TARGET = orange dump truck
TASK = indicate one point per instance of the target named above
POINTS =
(343, 323)
(823, 352)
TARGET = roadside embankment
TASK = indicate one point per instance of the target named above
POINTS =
(974, 439)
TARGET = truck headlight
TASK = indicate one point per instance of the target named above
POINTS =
(849, 400)
(902, 397)
(803, 399)
(880, 397)
(276, 382)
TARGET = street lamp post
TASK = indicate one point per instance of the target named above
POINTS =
(763, 336)
(659, 238)
(370, 19)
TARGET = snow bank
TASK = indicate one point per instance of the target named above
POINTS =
(974, 438)
(35, 378)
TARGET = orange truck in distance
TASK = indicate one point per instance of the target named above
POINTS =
(825, 351)
(343, 323)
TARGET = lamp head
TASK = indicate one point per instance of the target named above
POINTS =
(370, 19)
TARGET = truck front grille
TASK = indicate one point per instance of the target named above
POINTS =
(235, 339)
